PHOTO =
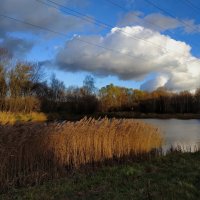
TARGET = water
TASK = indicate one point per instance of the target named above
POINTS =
(184, 133)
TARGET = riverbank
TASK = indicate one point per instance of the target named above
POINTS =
(12, 118)
(175, 176)
(148, 115)
(120, 115)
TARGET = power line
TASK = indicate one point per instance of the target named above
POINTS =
(62, 34)
(123, 8)
(99, 23)
(170, 14)
(116, 4)
(192, 5)
(105, 25)
(28, 23)
(75, 14)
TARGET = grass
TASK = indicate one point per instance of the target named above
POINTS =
(175, 176)
(138, 115)
(12, 118)
(33, 153)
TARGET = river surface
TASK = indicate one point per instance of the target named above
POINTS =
(184, 133)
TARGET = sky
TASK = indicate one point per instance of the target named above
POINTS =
(142, 44)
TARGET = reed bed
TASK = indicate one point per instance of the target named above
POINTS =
(12, 118)
(31, 153)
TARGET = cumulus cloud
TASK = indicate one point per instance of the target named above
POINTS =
(177, 69)
(17, 47)
(158, 21)
(34, 12)
(152, 84)
(38, 14)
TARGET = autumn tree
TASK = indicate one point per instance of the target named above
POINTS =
(114, 98)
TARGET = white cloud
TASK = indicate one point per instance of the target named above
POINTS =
(158, 21)
(152, 84)
(177, 69)
(35, 13)
(17, 47)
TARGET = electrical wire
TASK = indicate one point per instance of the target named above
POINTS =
(64, 35)
(123, 8)
(170, 14)
(100, 23)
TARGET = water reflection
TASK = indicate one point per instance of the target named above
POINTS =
(185, 133)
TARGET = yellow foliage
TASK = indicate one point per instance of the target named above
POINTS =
(12, 118)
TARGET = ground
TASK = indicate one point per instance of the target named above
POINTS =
(175, 176)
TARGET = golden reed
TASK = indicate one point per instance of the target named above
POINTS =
(31, 153)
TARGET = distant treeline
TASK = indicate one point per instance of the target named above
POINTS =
(23, 89)
(113, 98)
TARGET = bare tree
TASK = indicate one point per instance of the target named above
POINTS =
(89, 85)
(57, 89)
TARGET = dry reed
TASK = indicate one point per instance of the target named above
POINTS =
(12, 118)
(31, 153)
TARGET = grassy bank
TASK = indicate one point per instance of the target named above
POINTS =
(12, 118)
(119, 115)
(175, 176)
(136, 115)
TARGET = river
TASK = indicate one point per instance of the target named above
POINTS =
(185, 133)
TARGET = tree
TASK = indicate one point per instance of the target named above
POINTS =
(4, 57)
(3, 84)
(89, 85)
(20, 80)
(57, 89)
(197, 100)
(114, 98)
(186, 101)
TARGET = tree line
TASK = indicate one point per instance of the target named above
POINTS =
(114, 98)
(23, 89)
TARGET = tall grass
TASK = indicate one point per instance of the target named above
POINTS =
(11, 118)
(32, 153)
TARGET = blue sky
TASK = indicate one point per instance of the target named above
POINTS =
(50, 47)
